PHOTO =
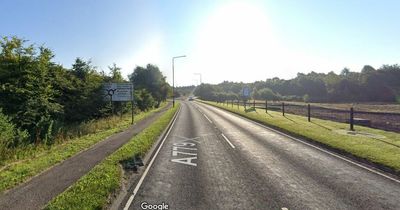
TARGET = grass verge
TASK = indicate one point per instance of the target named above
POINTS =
(93, 190)
(17, 172)
(384, 151)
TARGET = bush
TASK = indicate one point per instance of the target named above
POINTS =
(10, 136)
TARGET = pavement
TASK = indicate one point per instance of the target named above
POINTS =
(213, 159)
(38, 191)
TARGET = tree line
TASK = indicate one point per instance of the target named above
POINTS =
(368, 85)
(39, 98)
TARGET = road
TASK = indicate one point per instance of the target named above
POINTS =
(213, 159)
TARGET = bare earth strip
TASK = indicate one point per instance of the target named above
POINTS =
(35, 193)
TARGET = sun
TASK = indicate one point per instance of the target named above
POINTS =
(237, 36)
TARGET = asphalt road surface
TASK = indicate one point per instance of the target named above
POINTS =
(213, 159)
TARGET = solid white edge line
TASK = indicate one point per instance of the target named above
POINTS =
(318, 148)
(233, 146)
(129, 202)
(207, 118)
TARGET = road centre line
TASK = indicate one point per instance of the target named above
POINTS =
(229, 142)
(207, 118)
(129, 202)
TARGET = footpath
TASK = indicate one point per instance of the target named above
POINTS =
(38, 191)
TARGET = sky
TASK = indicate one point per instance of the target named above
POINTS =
(241, 41)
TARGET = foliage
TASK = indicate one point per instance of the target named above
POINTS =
(45, 99)
(151, 79)
(381, 85)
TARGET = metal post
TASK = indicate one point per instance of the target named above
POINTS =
(351, 119)
(266, 106)
(309, 112)
(112, 107)
(173, 83)
(173, 79)
(133, 117)
(283, 108)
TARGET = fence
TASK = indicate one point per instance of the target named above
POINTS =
(380, 120)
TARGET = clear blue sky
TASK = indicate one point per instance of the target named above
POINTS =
(223, 40)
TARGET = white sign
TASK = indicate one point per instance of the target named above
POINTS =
(246, 91)
(118, 91)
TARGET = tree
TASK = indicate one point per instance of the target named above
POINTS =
(151, 79)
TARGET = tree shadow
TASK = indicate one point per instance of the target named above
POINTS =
(321, 126)
(290, 119)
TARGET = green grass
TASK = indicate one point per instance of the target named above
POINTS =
(93, 190)
(384, 151)
(39, 159)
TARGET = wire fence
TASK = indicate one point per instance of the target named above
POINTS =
(380, 120)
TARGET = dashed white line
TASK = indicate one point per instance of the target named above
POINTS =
(129, 202)
(227, 140)
(320, 149)
(207, 118)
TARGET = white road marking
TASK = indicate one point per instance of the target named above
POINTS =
(186, 161)
(284, 208)
(129, 202)
(226, 139)
(318, 148)
(207, 118)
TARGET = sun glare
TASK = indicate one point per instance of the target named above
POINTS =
(235, 37)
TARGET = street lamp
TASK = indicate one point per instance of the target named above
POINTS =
(200, 77)
(173, 79)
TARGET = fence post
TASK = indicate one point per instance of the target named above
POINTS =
(254, 103)
(266, 106)
(351, 119)
(283, 108)
(309, 112)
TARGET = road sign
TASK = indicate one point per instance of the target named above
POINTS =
(246, 91)
(118, 91)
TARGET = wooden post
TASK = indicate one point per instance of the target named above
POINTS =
(309, 112)
(283, 108)
(351, 119)
(266, 106)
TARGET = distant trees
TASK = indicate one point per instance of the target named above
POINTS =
(370, 84)
(39, 98)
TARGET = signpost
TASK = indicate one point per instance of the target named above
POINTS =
(119, 92)
(245, 94)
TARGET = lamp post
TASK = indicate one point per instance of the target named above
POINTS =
(173, 78)
(200, 77)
